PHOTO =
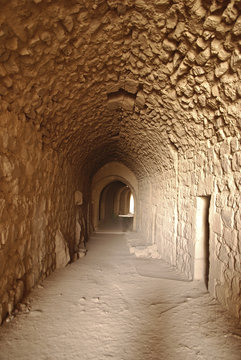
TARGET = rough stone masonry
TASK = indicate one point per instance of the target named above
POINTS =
(154, 85)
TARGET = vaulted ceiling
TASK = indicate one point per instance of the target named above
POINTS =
(127, 80)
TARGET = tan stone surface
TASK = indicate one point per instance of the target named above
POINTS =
(113, 305)
(152, 84)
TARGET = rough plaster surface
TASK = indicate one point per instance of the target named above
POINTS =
(152, 84)
(111, 305)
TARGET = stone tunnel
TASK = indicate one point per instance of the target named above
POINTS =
(123, 97)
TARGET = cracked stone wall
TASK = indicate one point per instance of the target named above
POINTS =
(36, 209)
(154, 85)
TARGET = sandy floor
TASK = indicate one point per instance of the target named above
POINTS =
(110, 305)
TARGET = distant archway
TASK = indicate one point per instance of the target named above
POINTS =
(109, 205)
(109, 173)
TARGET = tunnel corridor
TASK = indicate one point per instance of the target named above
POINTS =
(103, 101)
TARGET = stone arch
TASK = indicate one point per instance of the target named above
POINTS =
(117, 200)
(109, 200)
(113, 171)
(124, 203)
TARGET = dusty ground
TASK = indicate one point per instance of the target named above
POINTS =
(110, 305)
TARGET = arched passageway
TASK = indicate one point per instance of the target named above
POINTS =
(141, 92)
(112, 187)
(114, 206)
(109, 205)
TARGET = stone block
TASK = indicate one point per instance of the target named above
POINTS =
(140, 100)
(235, 60)
(68, 23)
(19, 291)
(227, 217)
(237, 27)
(178, 31)
(236, 161)
(115, 102)
(29, 281)
(237, 220)
(216, 223)
(128, 103)
(46, 37)
(19, 270)
(230, 14)
(216, 44)
(187, 231)
(212, 22)
(234, 145)
(223, 254)
(131, 85)
(221, 69)
(231, 238)
(202, 100)
(61, 250)
(205, 186)
(160, 3)
(6, 167)
(227, 236)
(12, 44)
(215, 91)
(169, 45)
(201, 43)
(171, 20)
(237, 263)
(223, 55)
(225, 163)
(203, 57)
(224, 148)
(78, 198)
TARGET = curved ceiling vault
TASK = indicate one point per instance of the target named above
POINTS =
(107, 80)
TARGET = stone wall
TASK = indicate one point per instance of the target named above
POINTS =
(154, 85)
(213, 170)
(144, 219)
(36, 208)
(158, 213)
(210, 170)
(166, 215)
